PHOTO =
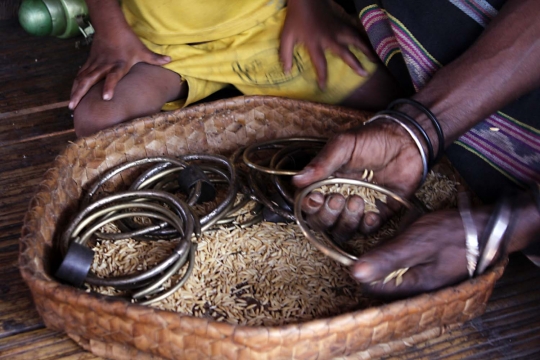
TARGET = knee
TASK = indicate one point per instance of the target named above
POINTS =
(89, 117)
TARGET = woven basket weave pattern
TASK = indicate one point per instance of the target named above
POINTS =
(113, 328)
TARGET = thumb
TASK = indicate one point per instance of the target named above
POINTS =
(157, 59)
(332, 157)
(393, 255)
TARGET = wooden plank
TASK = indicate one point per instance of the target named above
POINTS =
(35, 71)
(42, 344)
(42, 121)
(21, 171)
(508, 329)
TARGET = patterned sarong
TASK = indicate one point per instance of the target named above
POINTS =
(414, 39)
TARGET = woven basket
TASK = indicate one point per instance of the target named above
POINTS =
(113, 328)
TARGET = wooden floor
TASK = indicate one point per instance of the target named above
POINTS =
(35, 80)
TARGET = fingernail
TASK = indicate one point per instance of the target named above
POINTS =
(106, 97)
(354, 204)
(336, 202)
(363, 271)
(313, 202)
(363, 72)
(306, 172)
(371, 219)
(71, 105)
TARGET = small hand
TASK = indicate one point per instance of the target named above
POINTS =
(111, 58)
(382, 147)
(320, 26)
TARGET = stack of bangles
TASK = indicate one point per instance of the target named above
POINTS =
(151, 196)
(484, 249)
(404, 120)
(481, 250)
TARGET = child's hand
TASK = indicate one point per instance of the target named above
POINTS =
(111, 58)
(320, 26)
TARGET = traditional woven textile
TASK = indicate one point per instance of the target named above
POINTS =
(414, 39)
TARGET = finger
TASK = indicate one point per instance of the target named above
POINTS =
(350, 59)
(336, 153)
(372, 221)
(412, 282)
(156, 59)
(312, 203)
(420, 279)
(286, 49)
(400, 252)
(84, 84)
(112, 80)
(318, 59)
(327, 216)
(349, 220)
(355, 39)
(85, 67)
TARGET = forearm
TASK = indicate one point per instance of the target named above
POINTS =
(498, 68)
(106, 16)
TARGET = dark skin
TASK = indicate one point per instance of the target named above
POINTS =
(122, 79)
(498, 68)
(433, 255)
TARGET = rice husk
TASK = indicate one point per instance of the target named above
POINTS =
(267, 274)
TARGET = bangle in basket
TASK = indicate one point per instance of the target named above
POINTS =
(413, 136)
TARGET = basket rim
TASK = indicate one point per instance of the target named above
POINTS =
(42, 284)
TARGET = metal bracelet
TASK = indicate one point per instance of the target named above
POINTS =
(413, 136)
(275, 144)
(492, 238)
(329, 248)
(471, 234)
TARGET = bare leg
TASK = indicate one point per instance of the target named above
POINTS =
(376, 93)
(143, 91)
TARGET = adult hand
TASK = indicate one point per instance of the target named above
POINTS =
(112, 55)
(433, 248)
(320, 26)
(382, 147)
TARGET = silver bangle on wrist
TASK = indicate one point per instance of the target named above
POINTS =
(471, 233)
(492, 239)
(413, 136)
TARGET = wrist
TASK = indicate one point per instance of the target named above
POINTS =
(525, 229)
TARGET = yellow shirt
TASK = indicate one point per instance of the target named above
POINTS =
(168, 22)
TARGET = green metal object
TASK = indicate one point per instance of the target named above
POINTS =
(60, 18)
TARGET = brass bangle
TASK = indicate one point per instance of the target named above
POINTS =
(275, 144)
(331, 250)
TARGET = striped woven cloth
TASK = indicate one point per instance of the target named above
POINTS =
(414, 39)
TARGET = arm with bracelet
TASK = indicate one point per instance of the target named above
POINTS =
(499, 67)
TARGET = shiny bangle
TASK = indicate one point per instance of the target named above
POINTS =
(418, 127)
(492, 238)
(413, 136)
(327, 246)
(471, 234)
(436, 124)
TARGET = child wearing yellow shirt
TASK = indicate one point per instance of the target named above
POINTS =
(305, 49)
